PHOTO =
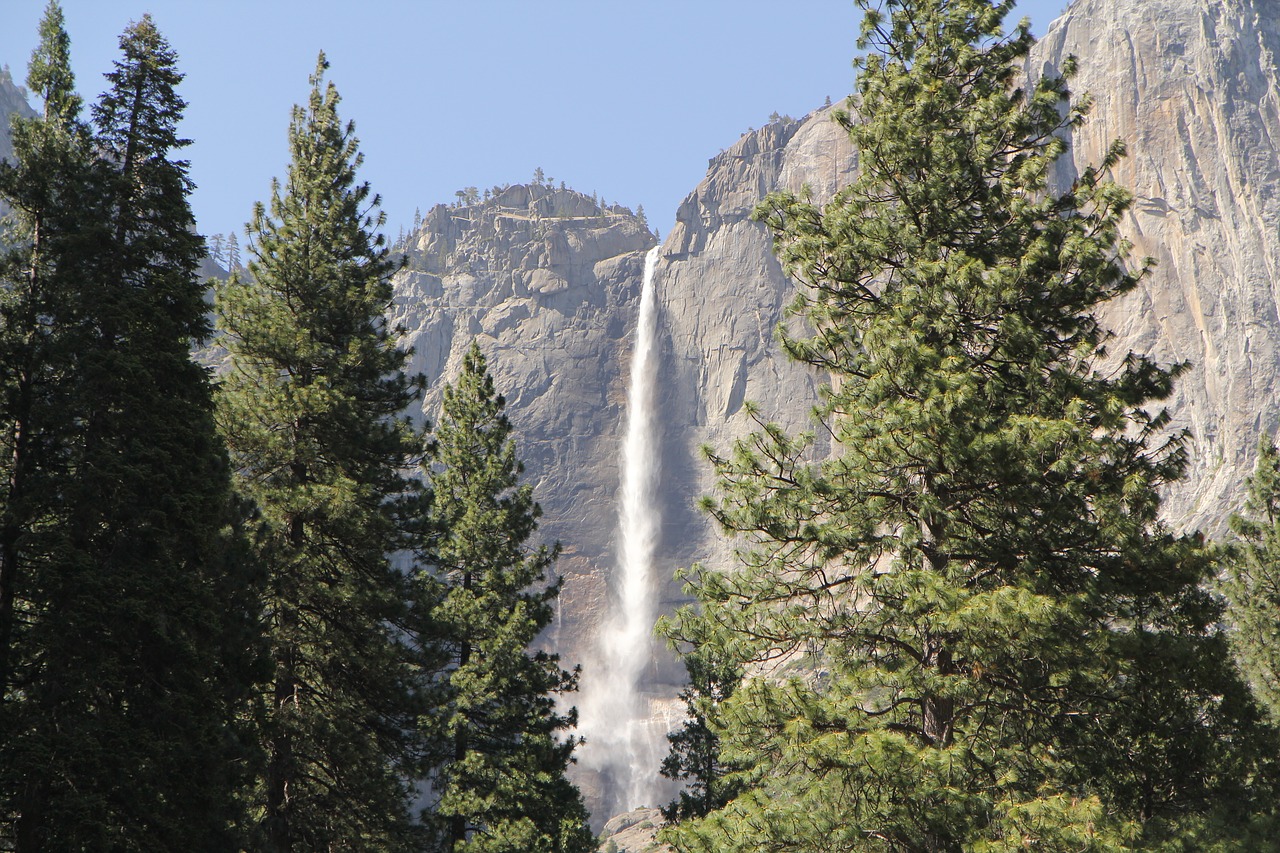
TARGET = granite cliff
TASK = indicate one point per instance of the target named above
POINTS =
(1192, 87)
(13, 102)
(547, 281)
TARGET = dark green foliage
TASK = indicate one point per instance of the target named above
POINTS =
(137, 644)
(497, 771)
(695, 747)
(1251, 582)
(971, 630)
(311, 412)
(47, 177)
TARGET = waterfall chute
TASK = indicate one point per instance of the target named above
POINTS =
(624, 739)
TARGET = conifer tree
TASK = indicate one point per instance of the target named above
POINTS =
(499, 784)
(48, 171)
(1251, 581)
(216, 250)
(232, 250)
(311, 411)
(45, 177)
(139, 627)
(1001, 646)
(695, 747)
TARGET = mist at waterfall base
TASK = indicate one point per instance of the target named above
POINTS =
(625, 729)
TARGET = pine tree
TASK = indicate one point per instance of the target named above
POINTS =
(42, 184)
(312, 413)
(232, 249)
(500, 783)
(139, 620)
(1251, 581)
(217, 252)
(49, 167)
(971, 630)
(695, 747)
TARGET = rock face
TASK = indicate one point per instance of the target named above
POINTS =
(633, 832)
(13, 102)
(548, 283)
(1191, 86)
(722, 294)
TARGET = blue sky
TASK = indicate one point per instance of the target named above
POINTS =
(625, 99)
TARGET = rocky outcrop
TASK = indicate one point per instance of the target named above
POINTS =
(722, 294)
(1192, 88)
(548, 283)
(13, 102)
(635, 831)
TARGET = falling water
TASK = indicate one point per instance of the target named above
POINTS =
(623, 741)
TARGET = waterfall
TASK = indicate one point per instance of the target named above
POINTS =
(624, 744)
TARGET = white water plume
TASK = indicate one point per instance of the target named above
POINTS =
(623, 741)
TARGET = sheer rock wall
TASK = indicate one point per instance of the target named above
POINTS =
(549, 286)
(1191, 87)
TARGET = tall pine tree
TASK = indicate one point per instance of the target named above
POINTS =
(495, 749)
(311, 412)
(969, 629)
(138, 624)
(44, 185)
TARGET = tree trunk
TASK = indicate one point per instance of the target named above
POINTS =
(280, 765)
(281, 761)
(458, 823)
